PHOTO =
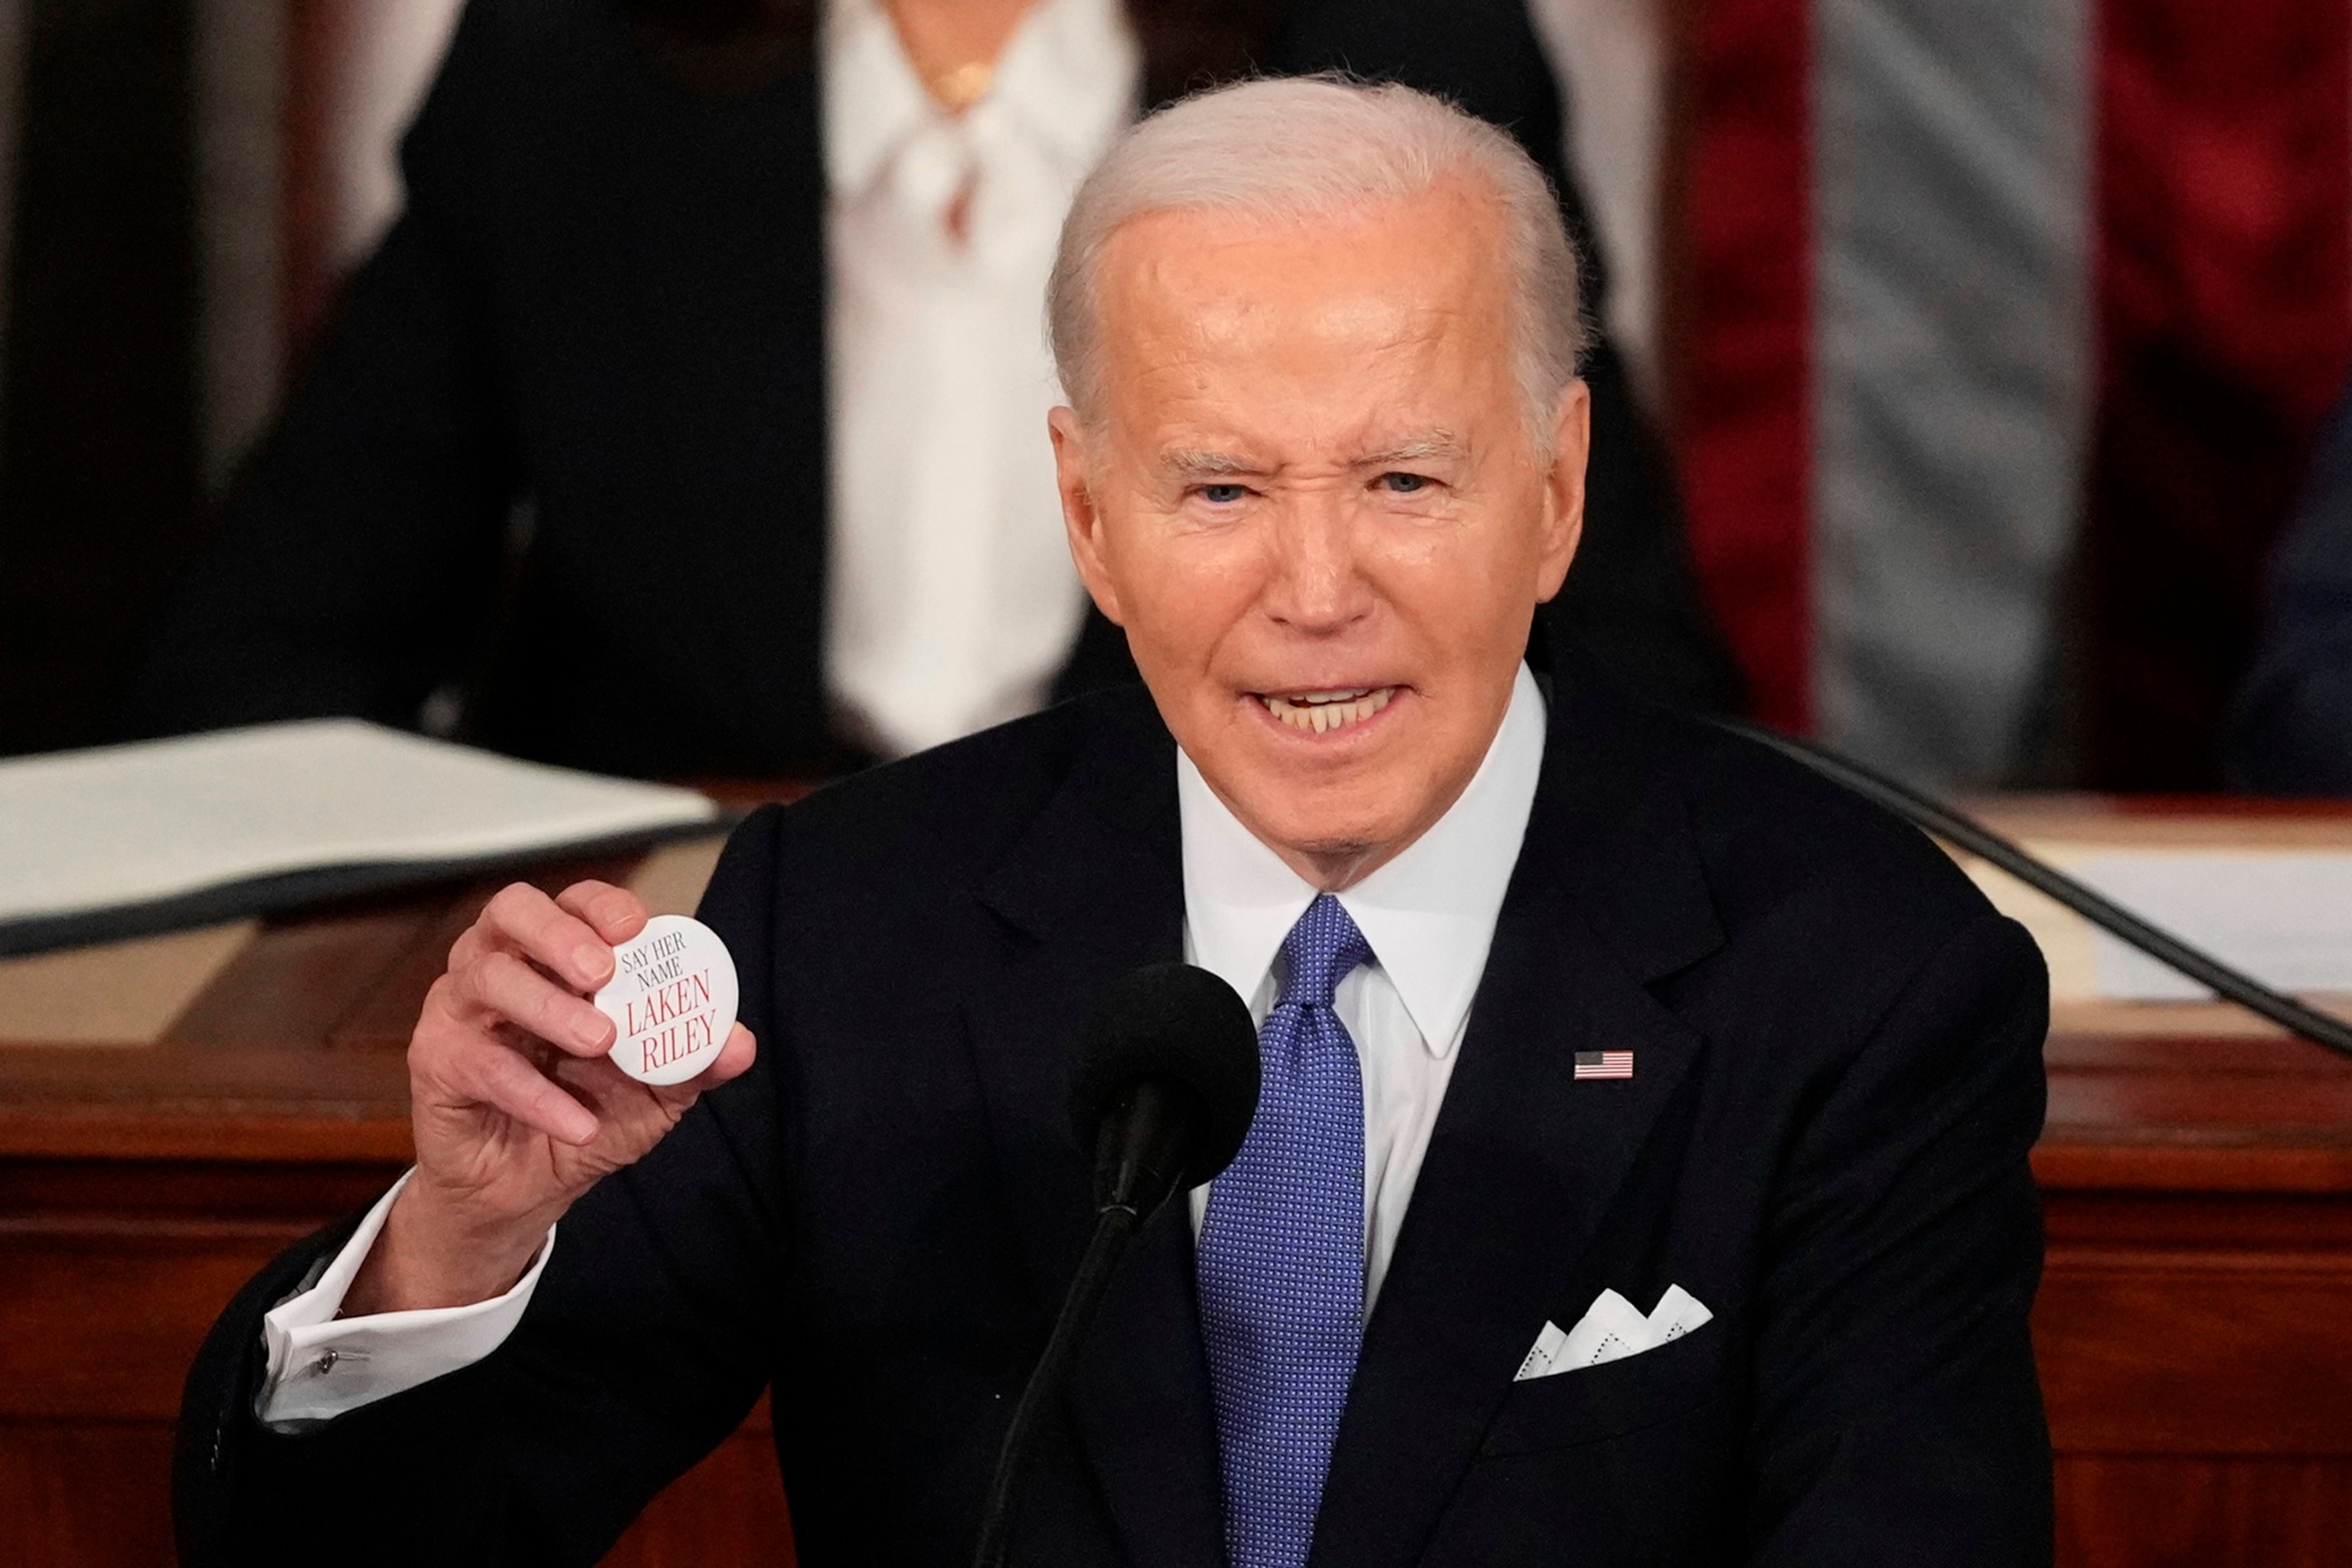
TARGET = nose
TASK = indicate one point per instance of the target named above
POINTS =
(1316, 586)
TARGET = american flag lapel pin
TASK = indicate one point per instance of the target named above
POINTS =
(1604, 1064)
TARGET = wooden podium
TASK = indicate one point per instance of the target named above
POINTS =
(175, 1110)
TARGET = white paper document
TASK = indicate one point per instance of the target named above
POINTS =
(152, 822)
(2285, 918)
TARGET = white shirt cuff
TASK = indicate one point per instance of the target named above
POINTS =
(322, 1366)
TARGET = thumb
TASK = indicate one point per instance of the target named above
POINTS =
(734, 1059)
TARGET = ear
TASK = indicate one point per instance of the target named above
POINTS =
(1074, 468)
(1564, 487)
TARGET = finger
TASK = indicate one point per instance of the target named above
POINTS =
(615, 913)
(634, 1115)
(523, 918)
(505, 987)
(497, 1077)
(734, 1059)
(471, 943)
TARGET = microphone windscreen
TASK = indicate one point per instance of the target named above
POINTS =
(1172, 1021)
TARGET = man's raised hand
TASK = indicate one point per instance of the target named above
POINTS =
(516, 1108)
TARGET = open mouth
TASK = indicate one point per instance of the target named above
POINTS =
(1320, 712)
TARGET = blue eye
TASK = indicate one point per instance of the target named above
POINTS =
(1221, 495)
(1405, 484)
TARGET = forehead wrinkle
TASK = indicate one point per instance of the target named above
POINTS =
(1331, 373)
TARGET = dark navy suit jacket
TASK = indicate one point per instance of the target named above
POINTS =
(1837, 1081)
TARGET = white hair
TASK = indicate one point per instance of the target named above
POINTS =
(1288, 150)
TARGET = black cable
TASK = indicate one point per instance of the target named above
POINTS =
(1113, 1227)
(1934, 816)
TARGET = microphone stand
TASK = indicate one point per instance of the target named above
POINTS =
(1931, 816)
(1140, 1156)
(1114, 1228)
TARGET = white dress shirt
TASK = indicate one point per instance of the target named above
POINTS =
(1428, 916)
(950, 601)
(319, 1366)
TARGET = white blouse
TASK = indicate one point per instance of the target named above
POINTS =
(950, 600)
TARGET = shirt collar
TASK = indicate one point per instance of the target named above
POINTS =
(1069, 78)
(1429, 914)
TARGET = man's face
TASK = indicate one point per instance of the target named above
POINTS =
(1314, 503)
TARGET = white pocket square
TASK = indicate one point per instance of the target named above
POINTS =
(1611, 1330)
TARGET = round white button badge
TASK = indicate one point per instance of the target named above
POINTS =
(672, 997)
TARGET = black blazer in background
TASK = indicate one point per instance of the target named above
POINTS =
(2291, 730)
(1837, 1080)
(565, 445)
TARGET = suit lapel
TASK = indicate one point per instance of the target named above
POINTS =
(1522, 1168)
(1525, 1160)
(1094, 889)
(1143, 1407)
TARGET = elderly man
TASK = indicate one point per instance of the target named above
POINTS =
(1590, 1032)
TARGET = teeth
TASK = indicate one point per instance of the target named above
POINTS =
(1320, 712)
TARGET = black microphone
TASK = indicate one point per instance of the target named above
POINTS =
(1164, 1092)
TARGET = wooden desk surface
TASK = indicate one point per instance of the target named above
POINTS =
(287, 1045)
(174, 1113)
(157, 1148)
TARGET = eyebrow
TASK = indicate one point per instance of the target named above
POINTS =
(1436, 444)
(1192, 464)
(1195, 463)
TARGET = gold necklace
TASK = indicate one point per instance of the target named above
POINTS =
(958, 87)
(966, 85)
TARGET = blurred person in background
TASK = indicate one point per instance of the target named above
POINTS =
(2292, 731)
(676, 286)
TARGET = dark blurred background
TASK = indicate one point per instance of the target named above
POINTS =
(1991, 340)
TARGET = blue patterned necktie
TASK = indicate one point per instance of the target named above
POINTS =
(1282, 1256)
